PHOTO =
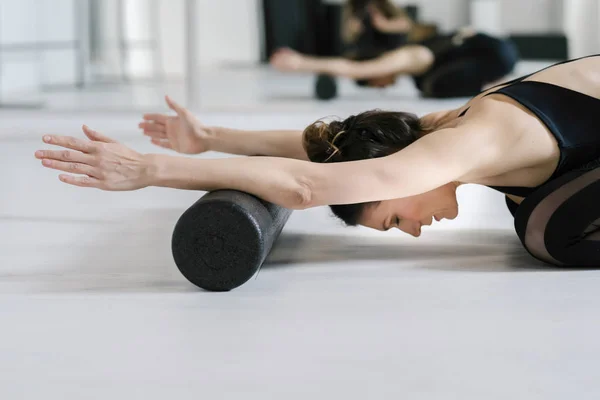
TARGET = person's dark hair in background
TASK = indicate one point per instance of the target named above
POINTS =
(373, 27)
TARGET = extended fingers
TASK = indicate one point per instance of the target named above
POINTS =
(72, 167)
(158, 118)
(82, 181)
(153, 129)
(65, 155)
(72, 143)
(162, 143)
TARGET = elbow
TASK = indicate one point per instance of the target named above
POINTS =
(301, 198)
(310, 186)
(423, 56)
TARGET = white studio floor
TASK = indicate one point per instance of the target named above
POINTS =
(93, 307)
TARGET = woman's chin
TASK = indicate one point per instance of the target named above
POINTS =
(447, 214)
(453, 215)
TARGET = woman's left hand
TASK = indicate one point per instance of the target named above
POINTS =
(100, 162)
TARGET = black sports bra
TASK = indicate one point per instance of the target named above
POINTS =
(572, 117)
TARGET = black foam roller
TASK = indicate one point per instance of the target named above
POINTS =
(221, 241)
(325, 87)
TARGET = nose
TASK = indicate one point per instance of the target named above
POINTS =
(417, 232)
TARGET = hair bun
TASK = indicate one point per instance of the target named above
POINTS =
(364, 136)
(322, 141)
(348, 124)
(370, 134)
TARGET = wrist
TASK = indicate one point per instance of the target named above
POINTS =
(212, 135)
(156, 166)
(182, 172)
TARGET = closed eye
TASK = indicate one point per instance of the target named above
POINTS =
(393, 223)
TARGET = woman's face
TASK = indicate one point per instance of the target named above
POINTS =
(411, 213)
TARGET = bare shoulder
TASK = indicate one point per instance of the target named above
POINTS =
(506, 121)
(581, 75)
(497, 136)
(493, 116)
(512, 138)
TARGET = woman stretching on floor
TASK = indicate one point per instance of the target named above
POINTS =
(456, 65)
(535, 139)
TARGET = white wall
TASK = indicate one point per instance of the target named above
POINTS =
(578, 19)
(19, 71)
(516, 16)
(581, 26)
(142, 31)
(228, 31)
(448, 14)
(486, 17)
(531, 16)
(110, 62)
(56, 23)
(172, 40)
(36, 23)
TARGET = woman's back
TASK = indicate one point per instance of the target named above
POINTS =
(547, 116)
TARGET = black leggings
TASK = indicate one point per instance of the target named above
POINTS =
(560, 222)
(463, 70)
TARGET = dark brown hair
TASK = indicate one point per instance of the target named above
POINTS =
(371, 134)
(358, 8)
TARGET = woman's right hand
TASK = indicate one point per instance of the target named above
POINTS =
(182, 132)
(286, 59)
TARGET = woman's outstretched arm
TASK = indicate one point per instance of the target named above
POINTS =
(432, 161)
(408, 60)
(272, 143)
(185, 134)
(421, 167)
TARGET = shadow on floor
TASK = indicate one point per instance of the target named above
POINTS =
(134, 255)
(476, 251)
